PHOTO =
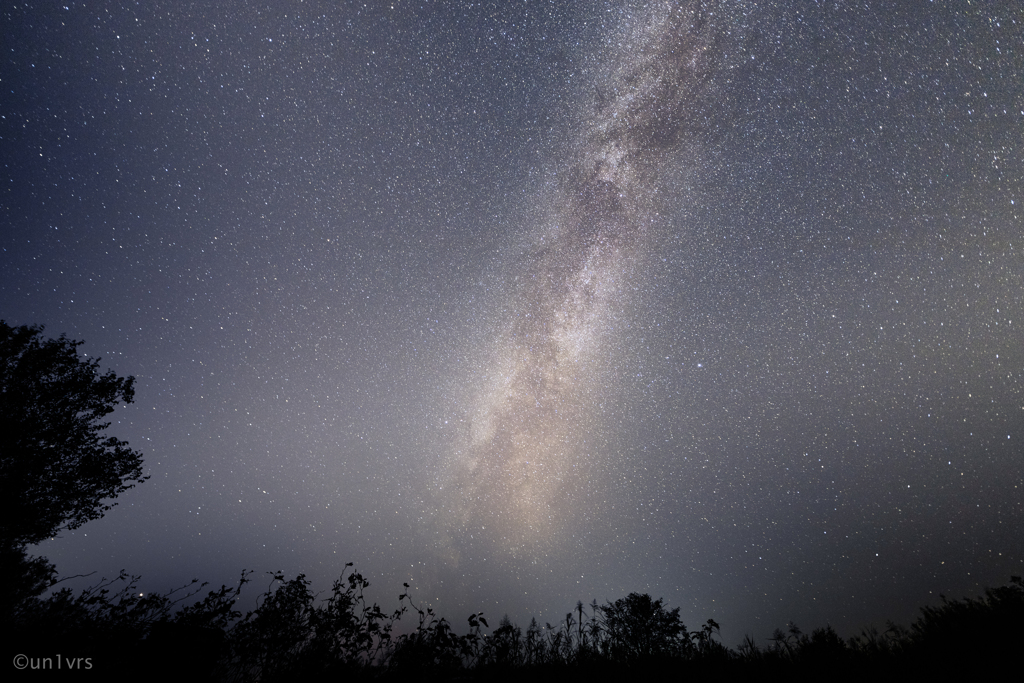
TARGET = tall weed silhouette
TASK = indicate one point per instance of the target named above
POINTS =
(294, 634)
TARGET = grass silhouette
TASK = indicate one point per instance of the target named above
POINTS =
(293, 634)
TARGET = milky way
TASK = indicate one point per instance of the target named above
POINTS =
(529, 302)
(523, 467)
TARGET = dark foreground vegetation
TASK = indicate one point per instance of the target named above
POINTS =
(112, 632)
(59, 470)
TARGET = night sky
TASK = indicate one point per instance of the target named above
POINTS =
(530, 302)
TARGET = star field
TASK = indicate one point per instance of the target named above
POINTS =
(532, 302)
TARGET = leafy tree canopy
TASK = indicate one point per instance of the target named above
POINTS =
(57, 471)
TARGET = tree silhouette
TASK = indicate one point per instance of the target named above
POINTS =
(56, 469)
(22, 577)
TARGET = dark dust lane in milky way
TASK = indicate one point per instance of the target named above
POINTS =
(523, 467)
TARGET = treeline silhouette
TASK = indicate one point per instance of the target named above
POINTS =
(295, 635)
(60, 470)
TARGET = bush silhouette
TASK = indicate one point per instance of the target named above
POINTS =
(989, 628)
(638, 627)
(294, 634)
